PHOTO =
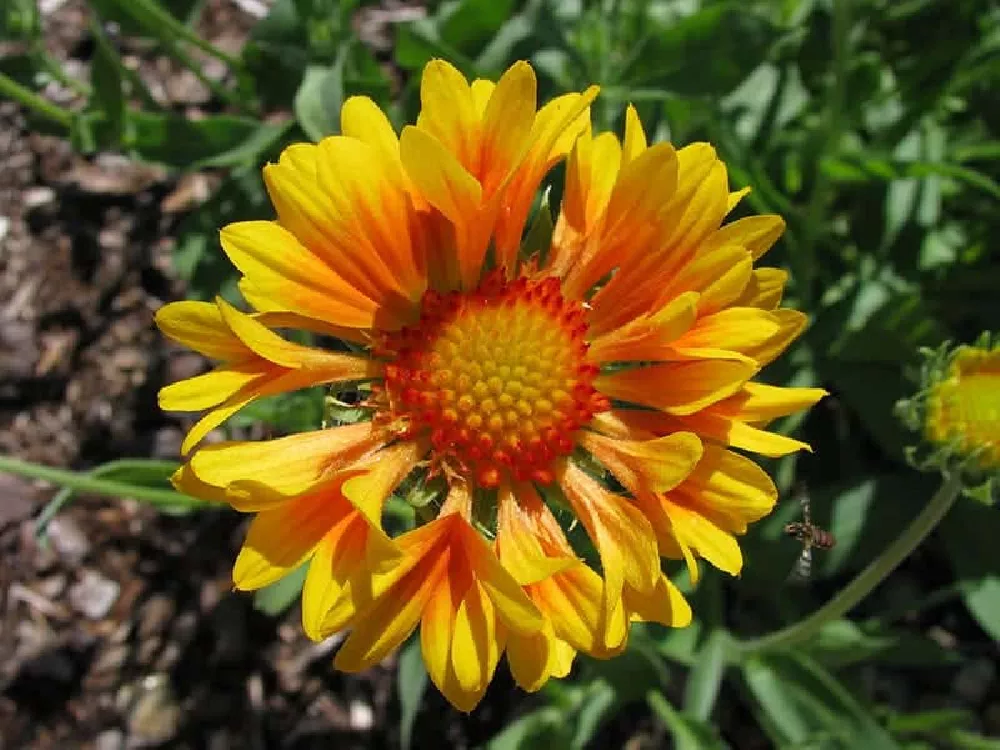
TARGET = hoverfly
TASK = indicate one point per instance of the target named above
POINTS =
(809, 535)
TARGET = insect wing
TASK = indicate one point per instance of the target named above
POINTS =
(802, 570)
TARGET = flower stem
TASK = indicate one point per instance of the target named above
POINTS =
(876, 572)
(95, 485)
(28, 98)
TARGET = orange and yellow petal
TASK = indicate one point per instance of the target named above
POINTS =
(456, 588)
(356, 547)
(622, 535)
(257, 475)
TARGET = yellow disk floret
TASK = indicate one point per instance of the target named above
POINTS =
(963, 408)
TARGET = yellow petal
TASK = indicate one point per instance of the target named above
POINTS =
(590, 179)
(268, 345)
(764, 289)
(474, 650)
(482, 90)
(791, 324)
(714, 544)
(573, 600)
(762, 403)
(665, 604)
(507, 124)
(656, 465)
(649, 337)
(439, 175)
(186, 481)
(677, 387)
(729, 483)
(339, 557)
(199, 326)
(416, 548)
(635, 138)
(518, 546)
(215, 417)
(437, 625)
(289, 465)
(362, 118)
(381, 628)
(735, 197)
(370, 219)
(281, 539)
(620, 532)
(735, 329)
(210, 389)
(448, 112)
(534, 658)
(771, 444)
(755, 233)
(512, 604)
(280, 268)
(631, 218)
(556, 127)
(701, 198)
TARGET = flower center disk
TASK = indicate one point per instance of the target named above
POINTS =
(497, 379)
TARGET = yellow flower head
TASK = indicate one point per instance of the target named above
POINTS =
(627, 348)
(963, 405)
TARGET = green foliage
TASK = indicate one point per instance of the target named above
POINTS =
(276, 598)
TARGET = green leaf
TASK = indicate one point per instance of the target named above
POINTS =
(970, 533)
(539, 236)
(412, 681)
(769, 99)
(688, 733)
(473, 23)
(929, 721)
(106, 80)
(601, 702)
(803, 702)
(138, 472)
(877, 330)
(963, 740)
(418, 42)
(541, 729)
(273, 600)
(705, 679)
(842, 643)
(706, 53)
(277, 54)
(319, 98)
(20, 19)
(214, 141)
(197, 258)
(296, 411)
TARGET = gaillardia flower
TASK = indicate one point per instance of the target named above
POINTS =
(957, 412)
(603, 376)
(963, 405)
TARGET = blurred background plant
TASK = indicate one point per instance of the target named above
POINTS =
(870, 125)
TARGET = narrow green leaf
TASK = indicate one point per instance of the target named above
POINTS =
(411, 681)
(705, 679)
(688, 733)
(542, 729)
(106, 80)
(273, 600)
(803, 701)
